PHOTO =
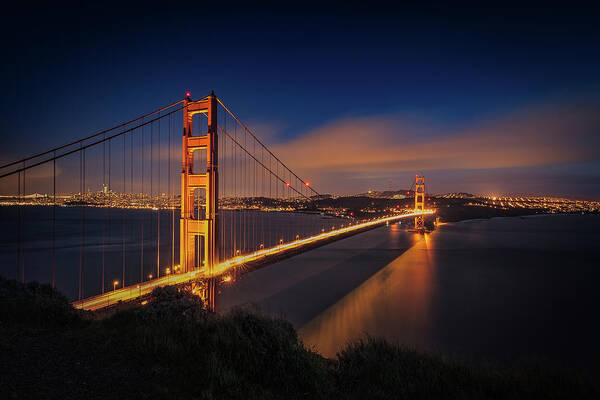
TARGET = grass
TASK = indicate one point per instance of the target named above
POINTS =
(172, 348)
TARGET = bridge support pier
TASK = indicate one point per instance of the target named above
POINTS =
(199, 224)
(211, 294)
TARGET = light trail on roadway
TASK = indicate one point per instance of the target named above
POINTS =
(141, 289)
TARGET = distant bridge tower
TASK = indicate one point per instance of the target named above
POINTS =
(419, 202)
(199, 232)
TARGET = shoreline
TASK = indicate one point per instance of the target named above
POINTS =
(574, 214)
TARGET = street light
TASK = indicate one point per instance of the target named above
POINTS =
(115, 283)
(150, 276)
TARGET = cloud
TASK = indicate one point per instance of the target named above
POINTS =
(44, 171)
(378, 146)
(270, 132)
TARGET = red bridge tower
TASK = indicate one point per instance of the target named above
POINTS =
(419, 202)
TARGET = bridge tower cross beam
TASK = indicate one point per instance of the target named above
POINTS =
(419, 202)
(199, 234)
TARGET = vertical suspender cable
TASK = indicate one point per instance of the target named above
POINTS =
(231, 199)
(271, 201)
(263, 195)
(83, 238)
(220, 141)
(243, 174)
(171, 200)
(158, 205)
(131, 162)
(110, 205)
(278, 223)
(104, 204)
(80, 225)
(123, 220)
(23, 222)
(131, 225)
(254, 239)
(54, 221)
(142, 154)
(80, 233)
(18, 226)
(235, 176)
(152, 185)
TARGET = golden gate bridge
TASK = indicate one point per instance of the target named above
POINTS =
(210, 206)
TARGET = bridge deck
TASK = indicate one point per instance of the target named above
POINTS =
(138, 290)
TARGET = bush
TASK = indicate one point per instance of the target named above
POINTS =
(376, 369)
(36, 305)
(260, 355)
(239, 354)
(170, 302)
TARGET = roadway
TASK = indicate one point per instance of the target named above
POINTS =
(134, 291)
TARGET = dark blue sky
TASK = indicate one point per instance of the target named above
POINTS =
(70, 71)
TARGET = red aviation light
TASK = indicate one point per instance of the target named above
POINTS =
(188, 94)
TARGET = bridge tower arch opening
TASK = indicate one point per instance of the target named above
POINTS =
(199, 231)
(419, 202)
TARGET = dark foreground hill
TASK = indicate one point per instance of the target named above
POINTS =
(171, 348)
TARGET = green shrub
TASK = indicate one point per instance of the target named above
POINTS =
(239, 354)
(170, 302)
(35, 305)
(375, 369)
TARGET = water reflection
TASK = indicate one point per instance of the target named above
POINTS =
(506, 290)
(396, 301)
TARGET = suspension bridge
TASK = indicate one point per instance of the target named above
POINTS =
(109, 217)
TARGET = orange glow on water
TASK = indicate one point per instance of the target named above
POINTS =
(397, 296)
